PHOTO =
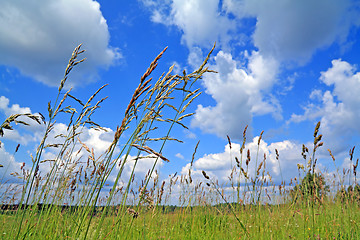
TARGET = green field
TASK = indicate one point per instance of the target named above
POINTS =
(328, 221)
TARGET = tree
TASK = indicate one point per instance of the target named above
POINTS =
(313, 187)
(350, 194)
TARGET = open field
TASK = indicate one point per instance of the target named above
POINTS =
(328, 221)
(250, 206)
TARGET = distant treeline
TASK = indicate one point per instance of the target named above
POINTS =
(6, 208)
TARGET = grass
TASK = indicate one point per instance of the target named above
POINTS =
(265, 222)
(84, 194)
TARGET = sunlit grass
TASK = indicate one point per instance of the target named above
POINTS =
(77, 200)
(217, 222)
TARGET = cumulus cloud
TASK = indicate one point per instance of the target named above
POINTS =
(141, 169)
(13, 109)
(200, 21)
(337, 109)
(290, 30)
(284, 168)
(219, 165)
(97, 141)
(39, 37)
(284, 31)
(240, 92)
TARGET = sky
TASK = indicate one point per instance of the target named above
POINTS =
(282, 66)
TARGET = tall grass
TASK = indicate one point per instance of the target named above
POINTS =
(91, 197)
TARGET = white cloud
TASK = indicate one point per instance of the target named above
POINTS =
(15, 136)
(195, 58)
(9, 165)
(219, 165)
(285, 31)
(294, 30)
(240, 93)
(98, 140)
(13, 109)
(189, 134)
(338, 109)
(200, 21)
(143, 166)
(39, 37)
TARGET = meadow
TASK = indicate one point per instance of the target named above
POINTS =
(84, 195)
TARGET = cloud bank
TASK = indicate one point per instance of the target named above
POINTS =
(285, 32)
(200, 21)
(38, 37)
(219, 165)
(294, 30)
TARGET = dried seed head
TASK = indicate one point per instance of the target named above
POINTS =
(248, 157)
(317, 139)
(17, 147)
(260, 137)
(259, 168)
(245, 173)
(300, 166)
(316, 129)
(309, 163)
(237, 161)
(332, 156)
(117, 133)
(319, 144)
(355, 167)
(244, 133)
(193, 155)
(351, 153)
(206, 176)
(244, 140)
(228, 138)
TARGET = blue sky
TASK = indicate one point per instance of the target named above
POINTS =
(282, 66)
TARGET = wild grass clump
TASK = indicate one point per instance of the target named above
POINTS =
(72, 182)
(79, 193)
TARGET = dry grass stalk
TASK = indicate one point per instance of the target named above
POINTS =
(260, 137)
(150, 151)
(142, 87)
(192, 160)
(248, 158)
(14, 118)
(244, 140)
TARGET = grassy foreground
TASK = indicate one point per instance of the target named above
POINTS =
(83, 195)
(267, 222)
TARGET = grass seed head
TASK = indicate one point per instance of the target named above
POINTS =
(206, 176)
(260, 137)
(316, 129)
